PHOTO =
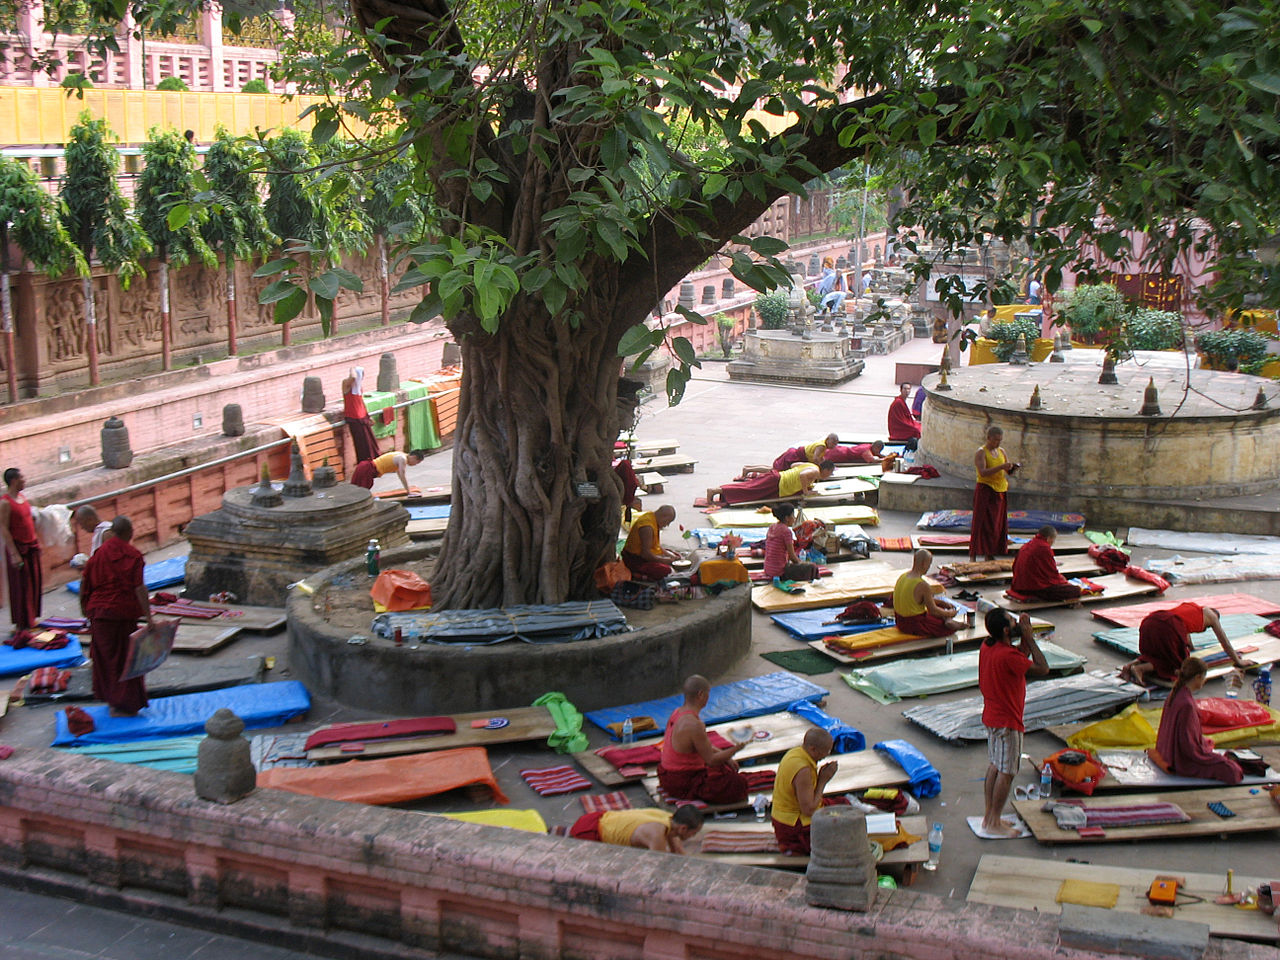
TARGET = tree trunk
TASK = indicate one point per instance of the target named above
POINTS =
(384, 283)
(538, 415)
(166, 321)
(90, 330)
(233, 346)
(6, 317)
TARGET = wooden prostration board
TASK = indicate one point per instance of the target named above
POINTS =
(526, 723)
(252, 619)
(855, 581)
(912, 644)
(1072, 565)
(1066, 543)
(202, 637)
(909, 857)
(1253, 812)
(1025, 883)
(1116, 587)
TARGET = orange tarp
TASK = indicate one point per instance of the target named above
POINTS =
(391, 780)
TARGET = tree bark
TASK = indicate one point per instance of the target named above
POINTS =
(166, 321)
(91, 329)
(233, 346)
(384, 284)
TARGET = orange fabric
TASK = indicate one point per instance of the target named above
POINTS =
(716, 571)
(390, 780)
(401, 590)
(609, 575)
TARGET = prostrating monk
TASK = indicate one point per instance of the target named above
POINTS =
(644, 556)
(857, 453)
(21, 552)
(690, 768)
(647, 829)
(113, 597)
(1181, 746)
(989, 534)
(773, 485)
(1164, 641)
(356, 416)
(368, 471)
(814, 452)
(903, 426)
(915, 609)
(798, 789)
(1035, 571)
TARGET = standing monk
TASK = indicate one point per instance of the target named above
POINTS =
(1164, 642)
(989, 534)
(798, 789)
(356, 415)
(113, 597)
(915, 609)
(1035, 571)
(903, 426)
(644, 556)
(21, 551)
(690, 767)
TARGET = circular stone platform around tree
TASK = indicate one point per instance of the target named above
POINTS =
(694, 636)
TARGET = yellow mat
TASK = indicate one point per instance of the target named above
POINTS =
(1135, 728)
(528, 820)
(1088, 894)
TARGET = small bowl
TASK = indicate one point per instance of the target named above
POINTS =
(681, 564)
(741, 734)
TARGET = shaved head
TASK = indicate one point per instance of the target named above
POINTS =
(695, 686)
(921, 560)
(85, 517)
(665, 514)
(122, 527)
(817, 739)
(832, 439)
(994, 433)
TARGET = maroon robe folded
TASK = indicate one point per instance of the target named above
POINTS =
(381, 730)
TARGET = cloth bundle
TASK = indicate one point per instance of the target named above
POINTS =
(725, 841)
(927, 471)
(860, 611)
(39, 639)
(48, 680)
(1108, 559)
(555, 781)
(631, 593)
(1075, 814)
(648, 754)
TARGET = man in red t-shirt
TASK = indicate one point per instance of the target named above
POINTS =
(1164, 641)
(1002, 677)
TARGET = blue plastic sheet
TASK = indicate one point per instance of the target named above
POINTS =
(847, 739)
(925, 779)
(430, 511)
(257, 704)
(809, 624)
(771, 693)
(1030, 520)
(710, 536)
(163, 573)
(14, 663)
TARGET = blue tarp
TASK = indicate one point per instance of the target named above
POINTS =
(710, 536)
(163, 573)
(847, 739)
(771, 693)
(808, 624)
(1029, 520)
(14, 663)
(257, 704)
(431, 511)
(532, 623)
(925, 779)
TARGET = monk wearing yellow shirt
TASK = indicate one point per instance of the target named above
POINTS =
(989, 532)
(367, 471)
(644, 556)
(773, 484)
(798, 789)
(814, 452)
(647, 829)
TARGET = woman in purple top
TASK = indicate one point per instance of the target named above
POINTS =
(780, 558)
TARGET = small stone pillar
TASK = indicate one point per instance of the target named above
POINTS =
(1108, 375)
(726, 288)
(232, 420)
(1260, 401)
(224, 770)
(687, 294)
(841, 871)
(842, 263)
(815, 265)
(264, 494)
(297, 485)
(388, 375)
(324, 476)
(1035, 399)
(312, 395)
(709, 293)
(452, 355)
(1056, 356)
(116, 454)
(1020, 357)
(1150, 400)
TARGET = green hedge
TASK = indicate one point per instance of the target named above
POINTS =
(771, 307)
(1007, 334)
(1232, 349)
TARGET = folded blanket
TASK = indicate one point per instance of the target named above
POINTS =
(380, 730)
(1074, 814)
(726, 841)
(648, 754)
(555, 781)
(602, 802)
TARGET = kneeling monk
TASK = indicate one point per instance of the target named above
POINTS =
(644, 555)
(690, 768)
(1035, 571)
(647, 829)
(798, 789)
(915, 609)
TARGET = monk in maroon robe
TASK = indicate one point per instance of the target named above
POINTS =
(1164, 642)
(1035, 571)
(1181, 747)
(856, 453)
(902, 423)
(21, 552)
(113, 597)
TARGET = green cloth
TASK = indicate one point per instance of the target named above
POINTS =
(804, 661)
(374, 402)
(177, 755)
(421, 424)
(873, 690)
(568, 737)
(1104, 538)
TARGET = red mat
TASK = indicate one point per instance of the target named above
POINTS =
(1132, 616)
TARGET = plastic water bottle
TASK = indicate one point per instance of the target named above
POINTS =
(1262, 686)
(1235, 680)
(372, 558)
(935, 847)
(760, 805)
(1046, 782)
(628, 731)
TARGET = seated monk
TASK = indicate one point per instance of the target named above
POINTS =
(1035, 571)
(1164, 642)
(903, 426)
(1181, 746)
(648, 829)
(798, 789)
(814, 452)
(858, 453)
(915, 609)
(773, 485)
(644, 556)
(690, 768)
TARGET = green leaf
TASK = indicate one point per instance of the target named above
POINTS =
(684, 351)
(179, 216)
(289, 307)
(677, 380)
(927, 130)
(325, 307)
(768, 246)
(325, 285)
(1266, 82)
(613, 148)
(326, 126)
(635, 339)
(278, 291)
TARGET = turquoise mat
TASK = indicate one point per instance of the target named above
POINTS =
(1236, 625)
(920, 678)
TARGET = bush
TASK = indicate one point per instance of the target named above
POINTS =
(771, 307)
(255, 86)
(1232, 349)
(1155, 329)
(173, 83)
(1006, 336)
(1093, 310)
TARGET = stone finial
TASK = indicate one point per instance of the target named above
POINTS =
(1035, 399)
(388, 375)
(726, 288)
(1056, 356)
(1260, 401)
(1108, 375)
(842, 263)
(1020, 357)
(942, 378)
(452, 355)
(232, 420)
(1150, 400)
(841, 871)
(224, 769)
(324, 476)
(815, 265)
(687, 294)
(264, 494)
(116, 453)
(312, 395)
(709, 293)
(297, 485)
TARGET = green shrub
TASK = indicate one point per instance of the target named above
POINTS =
(1093, 310)
(1233, 349)
(173, 83)
(771, 307)
(255, 86)
(812, 295)
(1155, 329)
(1006, 336)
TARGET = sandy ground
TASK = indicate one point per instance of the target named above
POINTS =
(724, 425)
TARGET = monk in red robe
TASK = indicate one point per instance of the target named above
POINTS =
(1035, 571)
(1164, 642)
(21, 552)
(113, 597)
(1181, 747)
(690, 767)
(856, 453)
(902, 423)
(356, 416)
(795, 481)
